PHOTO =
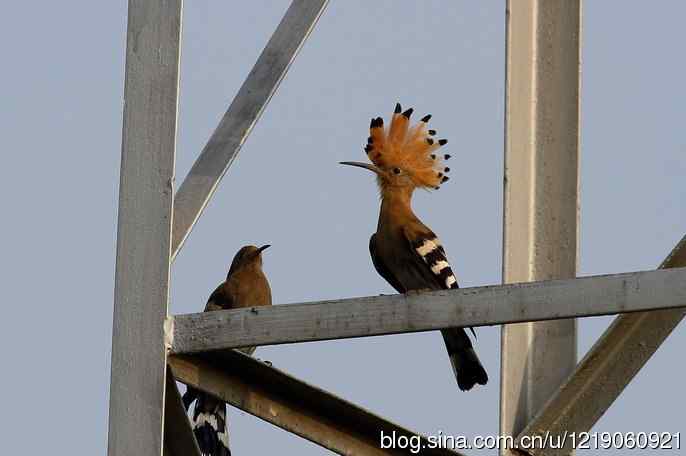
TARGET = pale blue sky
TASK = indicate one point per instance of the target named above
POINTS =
(60, 133)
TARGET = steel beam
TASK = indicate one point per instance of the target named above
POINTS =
(606, 370)
(244, 111)
(137, 388)
(392, 314)
(178, 434)
(540, 224)
(293, 405)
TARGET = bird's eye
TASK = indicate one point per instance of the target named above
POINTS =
(396, 170)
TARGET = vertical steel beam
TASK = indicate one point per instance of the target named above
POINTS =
(137, 388)
(540, 225)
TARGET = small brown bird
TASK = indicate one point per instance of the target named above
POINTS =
(245, 286)
(404, 251)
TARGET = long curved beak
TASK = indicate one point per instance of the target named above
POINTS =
(263, 248)
(368, 166)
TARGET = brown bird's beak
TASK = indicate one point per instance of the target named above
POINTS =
(368, 166)
(263, 248)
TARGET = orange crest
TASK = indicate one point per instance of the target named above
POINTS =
(409, 148)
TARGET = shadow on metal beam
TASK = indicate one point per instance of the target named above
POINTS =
(291, 404)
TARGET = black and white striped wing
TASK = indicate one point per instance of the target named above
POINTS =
(209, 426)
(432, 253)
(430, 250)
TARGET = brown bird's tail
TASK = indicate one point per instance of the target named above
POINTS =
(466, 365)
(209, 423)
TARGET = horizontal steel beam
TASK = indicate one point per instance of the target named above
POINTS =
(392, 314)
(292, 405)
(607, 369)
(244, 111)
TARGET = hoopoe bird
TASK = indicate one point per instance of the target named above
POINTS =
(245, 286)
(404, 250)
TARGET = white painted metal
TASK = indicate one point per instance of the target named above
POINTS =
(540, 229)
(136, 415)
(606, 369)
(244, 111)
(378, 315)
